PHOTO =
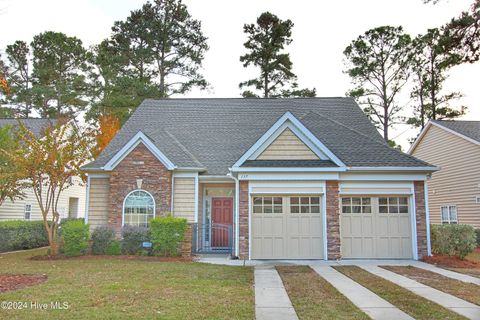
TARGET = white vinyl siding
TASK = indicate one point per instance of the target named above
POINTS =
(16, 210)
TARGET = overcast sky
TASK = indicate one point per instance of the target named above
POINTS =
(322, 30)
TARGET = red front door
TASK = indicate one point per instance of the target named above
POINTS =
(222, 217)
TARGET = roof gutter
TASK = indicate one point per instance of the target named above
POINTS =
(429, 169)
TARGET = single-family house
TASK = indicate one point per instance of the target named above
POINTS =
(307, 178)
(453, 191)
(71, 202)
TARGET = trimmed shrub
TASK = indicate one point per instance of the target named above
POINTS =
(75, 238)
(167, 233)
(453, 239)
(477, 231)
(113, 248)
(21, 234)
(102, 238)
(132, 239)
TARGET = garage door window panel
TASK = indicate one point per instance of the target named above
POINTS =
(304, 204)
(356, 205)
(393, 205)
(267, 205)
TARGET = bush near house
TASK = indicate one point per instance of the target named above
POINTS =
(75, 236)
(167, 234)
(132, 239)
(114, 248)
(20, 234)
(477, 231)
(453, 239)
(102, 239)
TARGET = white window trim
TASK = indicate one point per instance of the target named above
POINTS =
(29, 212)
(125, 199)
(449, 221)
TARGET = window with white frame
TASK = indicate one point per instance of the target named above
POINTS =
(304, 204)
(393, 205)
(267, 205)
(138, 208)
(356, 205)
(449, 214)
(28, 211)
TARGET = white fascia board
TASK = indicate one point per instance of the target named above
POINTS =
(351, 176)
(298, 128)
(140, 137)
(456, 133)
(98, 175)
(262, 176)
(425, 169)
(290, 169)
(185, 174)
(419, 138)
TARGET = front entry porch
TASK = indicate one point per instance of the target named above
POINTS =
(214, 231)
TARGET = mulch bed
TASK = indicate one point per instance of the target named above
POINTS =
(100, 257)
(451, 262)
(10, 282)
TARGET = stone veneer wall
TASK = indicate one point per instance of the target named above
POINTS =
(420, 211)
(140, 163)
(243, 220)
(333, 220)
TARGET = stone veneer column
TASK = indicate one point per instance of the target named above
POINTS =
(243, 220)
(333, 221)
(140, 169)
(420, 218)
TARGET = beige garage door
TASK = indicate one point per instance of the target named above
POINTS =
(376, 227)
(286, 227)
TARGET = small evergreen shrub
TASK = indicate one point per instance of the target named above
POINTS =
(75, 238)
(167, 233)
(453, 239)
(102, 238)
(477, 231)
(132, 239)
(114, 248)
(21, 234)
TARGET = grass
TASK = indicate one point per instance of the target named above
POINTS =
(314, 298)
(412, 304)
(121, 289)
(466, 291)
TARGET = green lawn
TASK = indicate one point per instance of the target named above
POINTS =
(121, 289)
(316, 299)
(416, 306)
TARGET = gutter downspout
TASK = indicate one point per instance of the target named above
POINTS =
(237, 215)
(427, 217)
(87, 199)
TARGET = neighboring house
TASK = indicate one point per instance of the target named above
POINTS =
(454, 191)
(71, 202)
(281, 178)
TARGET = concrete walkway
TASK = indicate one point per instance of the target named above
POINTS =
(462, 307)
(447, 273)
(271, 298)
(367, 301)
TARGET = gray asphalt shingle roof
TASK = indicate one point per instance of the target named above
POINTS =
(36, 125)
(215, 133)
(470, 129)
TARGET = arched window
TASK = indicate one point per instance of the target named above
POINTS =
(138, 208)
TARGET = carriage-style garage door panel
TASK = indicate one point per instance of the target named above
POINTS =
(376, 227)
(287, 227)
